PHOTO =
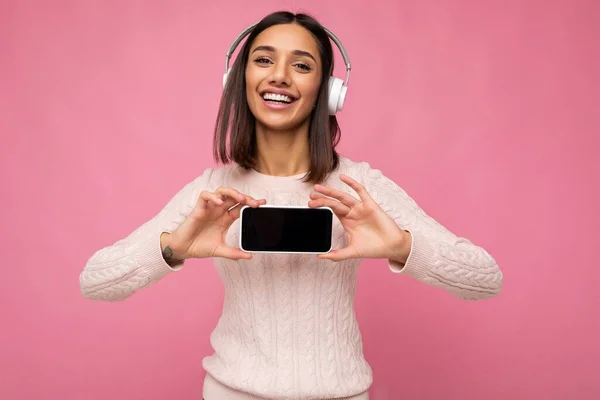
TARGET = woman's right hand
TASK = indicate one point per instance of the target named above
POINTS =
(203, 232)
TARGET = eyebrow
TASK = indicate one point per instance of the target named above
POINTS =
(271, 49)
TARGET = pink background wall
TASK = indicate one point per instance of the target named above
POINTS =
(485, 112)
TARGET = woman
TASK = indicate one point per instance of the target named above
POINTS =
(288, 329)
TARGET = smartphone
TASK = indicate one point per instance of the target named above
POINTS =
(286, 229)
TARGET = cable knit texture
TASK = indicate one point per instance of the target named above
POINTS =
(288, 328)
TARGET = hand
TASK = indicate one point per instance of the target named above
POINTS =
(371, 232)
(203, 232)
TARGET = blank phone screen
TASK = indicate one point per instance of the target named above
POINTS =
(303, 230)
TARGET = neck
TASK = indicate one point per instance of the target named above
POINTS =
(282, 153)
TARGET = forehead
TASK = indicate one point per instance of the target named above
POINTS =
(287, 38)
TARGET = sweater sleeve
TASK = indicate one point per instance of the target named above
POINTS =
(115, 272)
(437, 257)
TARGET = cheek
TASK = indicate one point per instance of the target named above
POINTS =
(250, 87)
(310, 90)
(251, 77)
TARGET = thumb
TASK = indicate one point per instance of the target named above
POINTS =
(338, 255)
(232, 253)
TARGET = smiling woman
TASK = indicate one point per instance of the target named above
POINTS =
(288, 328)
(285, 55)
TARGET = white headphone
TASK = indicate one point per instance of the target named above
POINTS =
(337, 87)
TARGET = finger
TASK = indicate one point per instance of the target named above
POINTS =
(232, 197)
(358, 188)
(317, 195)
(234, 194)
(338, 255)
(251, 201)
(232, 253)
(228, 201)
(235, 211)
(341, 210)
(234, 208)
(207, 197)
(345, 198)
(239, 198)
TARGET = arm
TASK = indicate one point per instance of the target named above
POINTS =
(435, 255)
(117, 271)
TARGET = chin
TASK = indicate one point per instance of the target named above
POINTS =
(279, 120)
(280, 123)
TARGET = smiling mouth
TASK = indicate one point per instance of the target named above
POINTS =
(277, 98)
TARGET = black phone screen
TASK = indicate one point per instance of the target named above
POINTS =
(282, 229)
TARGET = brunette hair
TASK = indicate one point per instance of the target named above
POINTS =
(235, 119)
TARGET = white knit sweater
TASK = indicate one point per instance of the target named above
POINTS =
(288, 328)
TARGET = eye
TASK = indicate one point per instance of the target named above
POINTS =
(304, 67)
(262, 60)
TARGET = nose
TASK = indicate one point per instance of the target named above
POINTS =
(280, 75)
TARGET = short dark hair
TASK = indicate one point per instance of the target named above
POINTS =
(236, 119)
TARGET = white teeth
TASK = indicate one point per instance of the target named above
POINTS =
(277, 97)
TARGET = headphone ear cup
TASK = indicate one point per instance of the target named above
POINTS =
(337, 95)
(225, 75)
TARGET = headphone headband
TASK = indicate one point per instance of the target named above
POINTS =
(331, 35)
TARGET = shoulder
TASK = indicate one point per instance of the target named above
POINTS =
(352, 168)
(214, 177)
(361, 171)
(379, 185)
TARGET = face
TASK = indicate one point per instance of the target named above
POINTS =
(283, 76)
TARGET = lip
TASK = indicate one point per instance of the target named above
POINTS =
(277, 106)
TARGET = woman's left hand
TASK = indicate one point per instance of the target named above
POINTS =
(371, 232)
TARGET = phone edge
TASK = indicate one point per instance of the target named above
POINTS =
(241, 226)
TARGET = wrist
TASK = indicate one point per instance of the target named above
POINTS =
(170, 255)
(402, 249)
